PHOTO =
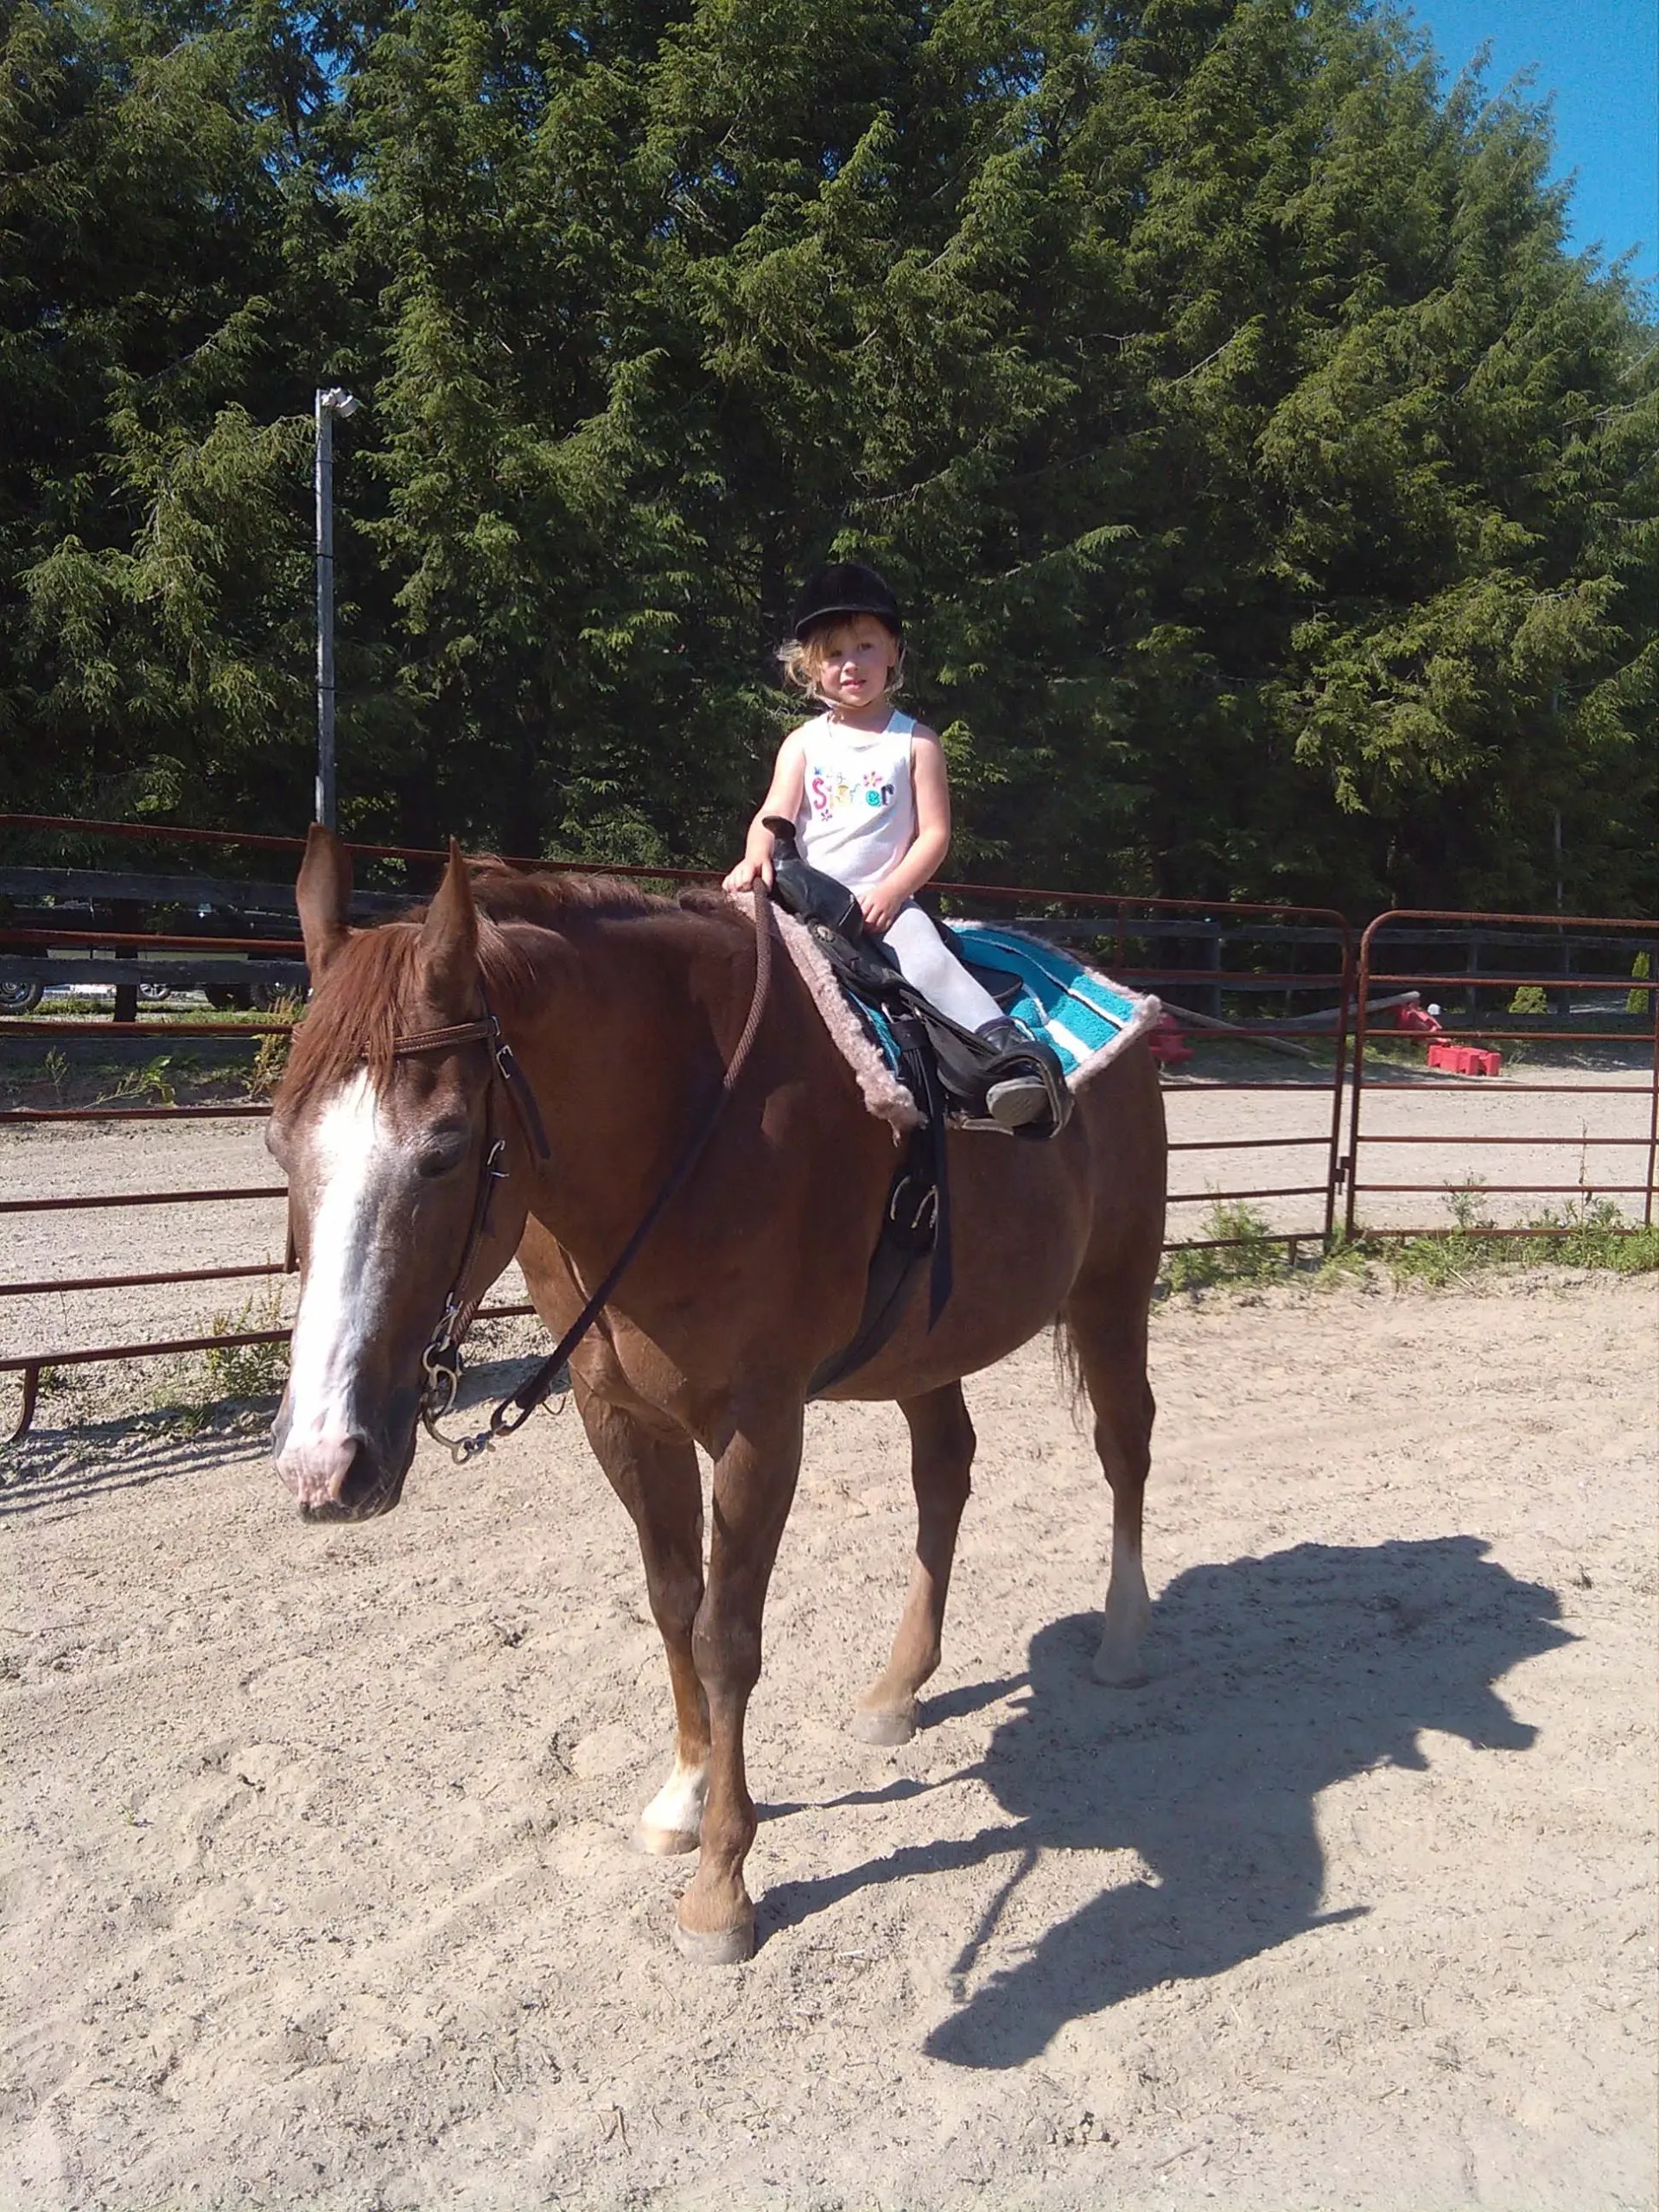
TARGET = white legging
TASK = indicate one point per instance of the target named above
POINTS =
(927, 961)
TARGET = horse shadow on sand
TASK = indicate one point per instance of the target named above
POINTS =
(1270, 1680)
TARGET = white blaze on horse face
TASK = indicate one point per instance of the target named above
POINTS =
(354, 1163)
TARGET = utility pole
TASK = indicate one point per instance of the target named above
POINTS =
(1555, 733)
(1560, 1001)
(330, 402)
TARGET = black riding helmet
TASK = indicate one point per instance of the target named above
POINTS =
(846, 587)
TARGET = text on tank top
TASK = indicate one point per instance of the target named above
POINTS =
(858, 805)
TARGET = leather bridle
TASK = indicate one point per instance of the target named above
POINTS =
(441, 1363)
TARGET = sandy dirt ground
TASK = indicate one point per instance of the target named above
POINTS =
(317, 1884)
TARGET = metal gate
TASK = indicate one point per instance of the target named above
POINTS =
(1260, 1004)
(1567, 1121)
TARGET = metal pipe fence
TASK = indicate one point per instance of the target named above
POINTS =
(1616, 1041)
(1219, 966)
(31, 1364)
(1237, 954)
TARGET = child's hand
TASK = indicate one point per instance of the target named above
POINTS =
(755, 867)
(881, 907)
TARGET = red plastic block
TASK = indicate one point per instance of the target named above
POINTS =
(1462, 1059)
(1166, 1042)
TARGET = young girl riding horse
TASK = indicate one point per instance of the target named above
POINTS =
(867, 790)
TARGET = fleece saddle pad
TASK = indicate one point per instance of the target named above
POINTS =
(1084, 1016)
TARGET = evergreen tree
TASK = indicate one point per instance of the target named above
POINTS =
(1273, 491)
(164, 233)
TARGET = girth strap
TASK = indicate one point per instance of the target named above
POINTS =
(915, 1224)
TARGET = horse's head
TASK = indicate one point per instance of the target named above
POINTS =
(387, 1157)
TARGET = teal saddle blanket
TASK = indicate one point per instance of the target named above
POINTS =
(1085, 1017)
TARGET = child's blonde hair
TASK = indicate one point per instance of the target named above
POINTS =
(802, 658)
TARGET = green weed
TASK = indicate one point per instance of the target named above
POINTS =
(1588, 1232)
(1528, 999)
(1438, 1258)
(1468, 1214)
(1640, 1002)
(1441, 1256)
(248, 1370)
(1346, 1261)
(270, 1053)
(153, 1082)
(1251, 1252)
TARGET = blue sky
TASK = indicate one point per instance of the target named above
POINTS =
(1600, 60)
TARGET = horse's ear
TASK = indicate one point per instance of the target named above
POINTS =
(323, 895)
(449, 942)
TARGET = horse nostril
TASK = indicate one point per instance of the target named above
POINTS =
(366, 1487)
(361, 1477)
(320, 1472)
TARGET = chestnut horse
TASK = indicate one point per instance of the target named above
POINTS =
(622, 1010)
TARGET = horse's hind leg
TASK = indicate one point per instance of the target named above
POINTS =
(655, 1474)
(1111, 1349)
(941, 1455)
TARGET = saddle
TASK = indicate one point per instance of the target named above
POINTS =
(966, 1066)
(949, 1071)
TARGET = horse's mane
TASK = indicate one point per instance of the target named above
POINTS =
(505, 893)
(369, 998)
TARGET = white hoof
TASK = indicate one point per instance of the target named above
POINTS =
(870, 1727)
(715, 1947)
(663, 1843)
(1118, 1670)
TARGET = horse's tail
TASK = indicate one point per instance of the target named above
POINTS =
(1068, 1363)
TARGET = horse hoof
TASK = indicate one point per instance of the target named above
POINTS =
(664, 1843)
(715, 1947)
(870, 1727)
(1118, 1674)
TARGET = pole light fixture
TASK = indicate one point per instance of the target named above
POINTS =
(331, 401)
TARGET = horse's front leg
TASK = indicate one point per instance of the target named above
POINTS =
(755, 1471)
(653, 1470)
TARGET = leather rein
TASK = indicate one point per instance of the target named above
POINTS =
(441, 1363)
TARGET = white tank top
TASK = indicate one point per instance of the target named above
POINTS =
(858, 805)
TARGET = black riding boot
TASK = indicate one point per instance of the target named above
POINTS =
(1018, 1097)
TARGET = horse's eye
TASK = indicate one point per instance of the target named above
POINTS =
(440, 1155)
